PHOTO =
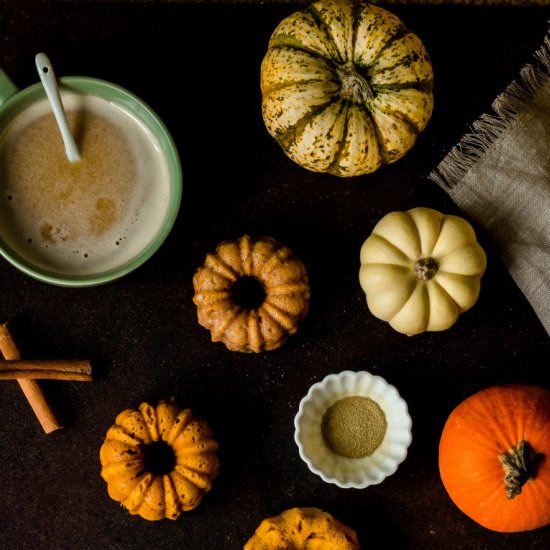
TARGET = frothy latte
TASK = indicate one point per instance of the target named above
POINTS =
(88, 216)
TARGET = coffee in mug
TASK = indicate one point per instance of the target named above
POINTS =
(94, 215)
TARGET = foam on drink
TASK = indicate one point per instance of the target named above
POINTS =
(86, 216)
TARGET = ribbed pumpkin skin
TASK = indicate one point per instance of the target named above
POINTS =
(479, 429)
(141, 492)
(345, 87)
(302, 529)
(391, 259)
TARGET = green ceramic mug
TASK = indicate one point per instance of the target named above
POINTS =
(98, 219)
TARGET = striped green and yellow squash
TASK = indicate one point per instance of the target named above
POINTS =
(345, 87)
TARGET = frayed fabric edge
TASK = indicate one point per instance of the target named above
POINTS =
(489, 126)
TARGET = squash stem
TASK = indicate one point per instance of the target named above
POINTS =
(520, 465)
(354, 86)
(425, 269)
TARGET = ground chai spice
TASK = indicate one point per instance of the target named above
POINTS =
(354, 427)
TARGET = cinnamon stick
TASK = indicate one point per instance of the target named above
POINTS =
(67, 369)
(30, 388)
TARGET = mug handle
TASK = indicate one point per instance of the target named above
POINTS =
(7, 87)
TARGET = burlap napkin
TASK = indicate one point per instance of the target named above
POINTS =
(499, 175)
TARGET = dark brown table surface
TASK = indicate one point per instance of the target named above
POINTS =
(197, 65)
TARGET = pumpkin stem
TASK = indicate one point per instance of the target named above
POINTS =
(354, 86)
(520, 465)
(425, 269)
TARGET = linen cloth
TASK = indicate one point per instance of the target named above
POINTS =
(499, 175)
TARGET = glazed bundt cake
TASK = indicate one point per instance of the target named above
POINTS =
(303, 529)
(251, 294)
(158, 461)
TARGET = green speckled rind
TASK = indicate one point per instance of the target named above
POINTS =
(346, 87)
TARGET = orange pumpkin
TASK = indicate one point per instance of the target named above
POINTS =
(494, 457)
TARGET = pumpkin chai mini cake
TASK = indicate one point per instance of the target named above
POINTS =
(299, 528)
(251, 294)
(158, 461)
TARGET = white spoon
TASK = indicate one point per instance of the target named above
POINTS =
(47, 76)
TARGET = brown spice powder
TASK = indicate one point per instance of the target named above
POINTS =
(354, 427)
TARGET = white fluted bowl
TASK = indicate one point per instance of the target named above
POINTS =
(352, 472)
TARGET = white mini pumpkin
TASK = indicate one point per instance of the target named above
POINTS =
(421, 269)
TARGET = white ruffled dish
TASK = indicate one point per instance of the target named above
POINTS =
(352, 472)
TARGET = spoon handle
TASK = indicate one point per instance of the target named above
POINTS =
(47, 76)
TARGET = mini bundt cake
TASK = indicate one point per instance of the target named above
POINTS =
(251, 294)
(303, 529)
(158, 461)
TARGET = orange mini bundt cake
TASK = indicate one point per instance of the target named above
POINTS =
(158, 461)
(303, 529)
(251, 294)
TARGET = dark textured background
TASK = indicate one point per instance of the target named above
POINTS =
(198, 67)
